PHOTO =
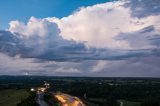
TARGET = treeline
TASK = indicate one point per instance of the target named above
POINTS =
(143, 90)
(129, 91)
(147, 93)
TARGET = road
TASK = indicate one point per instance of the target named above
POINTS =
(40, 99)
(68, 100)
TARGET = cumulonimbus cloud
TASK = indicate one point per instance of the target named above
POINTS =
(112, 31)
(108, 27)
(99, 25)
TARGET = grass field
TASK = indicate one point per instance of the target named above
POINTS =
(12, 97)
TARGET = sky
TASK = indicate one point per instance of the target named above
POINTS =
(96, 38)
(23, 9)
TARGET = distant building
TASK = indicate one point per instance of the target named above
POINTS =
(41, 89)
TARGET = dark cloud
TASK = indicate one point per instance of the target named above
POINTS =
(39, 47)
(11, 45)
(144, 8)
(64, 51)
(133, 67)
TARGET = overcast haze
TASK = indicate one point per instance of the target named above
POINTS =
(97, 38)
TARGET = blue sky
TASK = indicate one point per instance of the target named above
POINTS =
(57, 37)
(23, 9)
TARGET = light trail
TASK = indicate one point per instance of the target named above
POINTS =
(67, 100)
(60, 98)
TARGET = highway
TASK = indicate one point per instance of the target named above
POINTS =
(40, 99)
(68, 100)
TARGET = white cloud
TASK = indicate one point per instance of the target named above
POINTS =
(16, 65)
(100, 66)
(108, 25)
(34, 27)
(133, 67)
(99, 25)
(39, 34)
(96, 26)
(66, 70)
(20, 66)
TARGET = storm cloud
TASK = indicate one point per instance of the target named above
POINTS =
(94, 40)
